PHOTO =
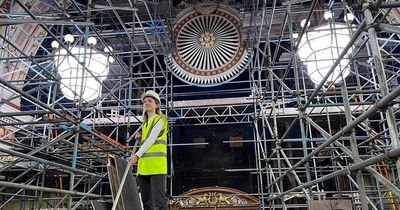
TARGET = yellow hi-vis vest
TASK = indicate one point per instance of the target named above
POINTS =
(154, 160)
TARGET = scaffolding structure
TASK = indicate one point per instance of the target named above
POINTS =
(53, 151)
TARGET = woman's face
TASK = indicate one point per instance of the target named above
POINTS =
(149, 104)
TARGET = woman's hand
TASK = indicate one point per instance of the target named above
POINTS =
(138, 136)
(133, 159)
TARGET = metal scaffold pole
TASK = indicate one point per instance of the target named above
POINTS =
(383, 86)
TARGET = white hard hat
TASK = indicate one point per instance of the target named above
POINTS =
(151, 94)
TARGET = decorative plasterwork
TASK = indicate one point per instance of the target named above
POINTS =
(208, 49)
(214, 197)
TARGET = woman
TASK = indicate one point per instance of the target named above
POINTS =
(152, 155)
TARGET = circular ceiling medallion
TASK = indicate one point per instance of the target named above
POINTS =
(207, 49)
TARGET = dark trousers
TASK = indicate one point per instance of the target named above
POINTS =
(153, 189)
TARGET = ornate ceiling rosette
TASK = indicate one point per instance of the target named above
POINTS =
(208, 49)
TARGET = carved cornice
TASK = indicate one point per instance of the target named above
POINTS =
(214, 197)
